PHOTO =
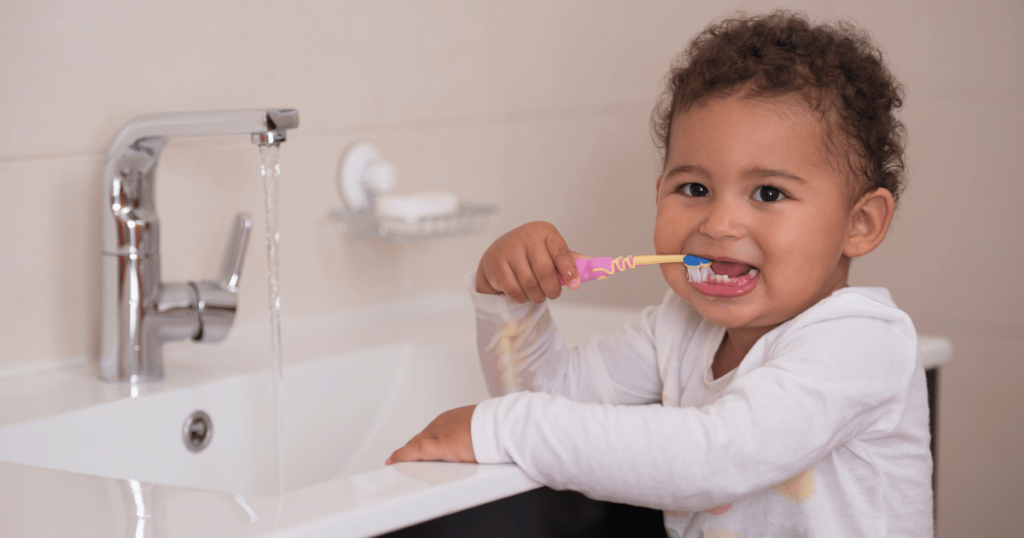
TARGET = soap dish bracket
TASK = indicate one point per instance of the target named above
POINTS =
(364, 174)
(467, 220)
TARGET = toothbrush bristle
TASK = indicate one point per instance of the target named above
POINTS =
(699, 273)
(697, 269)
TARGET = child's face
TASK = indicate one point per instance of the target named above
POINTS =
(746, 181)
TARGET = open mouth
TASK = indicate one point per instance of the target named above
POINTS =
(720, 278)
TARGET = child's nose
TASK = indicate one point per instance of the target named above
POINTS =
(722, 221)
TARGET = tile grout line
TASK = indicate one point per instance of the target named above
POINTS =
(34, 366)
(30, 159)
(595, 111)
(544, 115)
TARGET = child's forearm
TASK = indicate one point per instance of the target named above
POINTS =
(520, 348)
(658, 457)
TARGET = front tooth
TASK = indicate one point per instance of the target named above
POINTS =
(753, 272)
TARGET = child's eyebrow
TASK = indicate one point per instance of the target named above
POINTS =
(755, 173)
(761, 173)
(689, 169)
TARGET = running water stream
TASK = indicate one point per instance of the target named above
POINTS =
(271, 173)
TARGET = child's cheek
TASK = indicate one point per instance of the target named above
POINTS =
(667, 237)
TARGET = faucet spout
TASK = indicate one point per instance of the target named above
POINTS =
(140, 312)
(206, 123)
(269, 138)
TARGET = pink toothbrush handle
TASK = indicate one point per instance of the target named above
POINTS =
(600, 267)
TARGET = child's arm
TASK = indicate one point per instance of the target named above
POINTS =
(520, 349)
(827, 384)
(529, 355)
(519, 345)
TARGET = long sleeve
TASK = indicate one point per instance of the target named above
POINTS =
(521, 349)
(828, 379)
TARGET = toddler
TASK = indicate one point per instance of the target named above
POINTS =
(772, 399)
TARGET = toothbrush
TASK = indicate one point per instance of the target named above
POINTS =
(604, 267)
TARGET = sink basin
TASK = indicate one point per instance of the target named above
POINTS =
(343, 416)
(112, 460)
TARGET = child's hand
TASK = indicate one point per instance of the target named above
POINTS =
(447, 438)
(525, 264)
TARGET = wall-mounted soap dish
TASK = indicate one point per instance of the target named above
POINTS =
(466, 220)
(365, 181)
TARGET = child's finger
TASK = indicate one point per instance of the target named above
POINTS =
(564, 260)
(425, 449)
(402, 454)
(485, 284)
(415, 450)
(527, 280)
(508, 283)
(543, 267)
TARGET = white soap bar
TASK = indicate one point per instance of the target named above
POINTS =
(411, 207)
(409, 214)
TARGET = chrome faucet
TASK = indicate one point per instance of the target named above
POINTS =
(139, 312)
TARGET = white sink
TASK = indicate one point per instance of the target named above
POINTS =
(343, 416)
(111, 460)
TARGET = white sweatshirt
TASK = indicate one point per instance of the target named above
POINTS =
(822, 430)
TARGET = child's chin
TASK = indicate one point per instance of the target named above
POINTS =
(721, 312)
(728, 320)
(746, 312)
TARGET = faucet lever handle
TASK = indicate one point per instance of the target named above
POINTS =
(218, 299)
(234, 253)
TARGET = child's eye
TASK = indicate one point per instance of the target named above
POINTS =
(768, 194)
(693, 189)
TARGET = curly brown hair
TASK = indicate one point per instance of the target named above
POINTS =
(836, 69)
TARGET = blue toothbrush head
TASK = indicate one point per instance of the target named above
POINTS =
(693, 261)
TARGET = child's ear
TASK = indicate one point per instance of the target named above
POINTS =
(869, 222)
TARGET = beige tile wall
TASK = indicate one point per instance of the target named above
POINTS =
(541, 107)
(951, 258)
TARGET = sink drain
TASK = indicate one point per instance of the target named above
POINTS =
(197, 431)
